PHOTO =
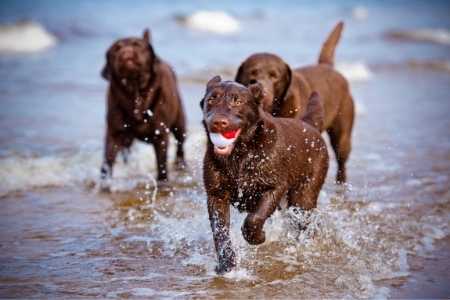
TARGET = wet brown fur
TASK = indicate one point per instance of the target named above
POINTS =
(287, 92)
(272, 158)
(143, 103)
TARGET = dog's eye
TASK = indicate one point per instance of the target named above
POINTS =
(237, 101)
(212, 99)
(272, 74)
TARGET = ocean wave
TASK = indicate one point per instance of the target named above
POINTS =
(355, 71)
(437, 65)
(210, 21)
(440, 65)
(203, 75)
(360, 13)
(20, 173)
(360, 108)
(25, 37)
(427, 35)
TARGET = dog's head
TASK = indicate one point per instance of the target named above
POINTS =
(130, 60)
(270, 71)
(230, 110)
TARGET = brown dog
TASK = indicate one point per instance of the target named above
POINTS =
(143, 103)
(287, 93)
(253, 160)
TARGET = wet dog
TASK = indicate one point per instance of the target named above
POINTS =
(287, 92)
(143, 103)
(253, 160)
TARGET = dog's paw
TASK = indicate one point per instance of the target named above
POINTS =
(252, 230)
(105, 179)
(105, 185)
(180, 165)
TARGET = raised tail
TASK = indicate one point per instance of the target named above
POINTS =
(327, 52)
(315, 113)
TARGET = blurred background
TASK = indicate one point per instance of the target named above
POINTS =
(61, 237)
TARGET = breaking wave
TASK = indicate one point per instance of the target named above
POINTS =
(83, 167)
(210, 21)
(25, 37)
(437, 36)
(355, 71)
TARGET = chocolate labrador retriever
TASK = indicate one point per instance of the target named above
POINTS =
(143, 103)
(287, 93)
(253, 160)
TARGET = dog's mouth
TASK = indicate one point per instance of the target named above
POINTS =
(129, 63)
(224, 141)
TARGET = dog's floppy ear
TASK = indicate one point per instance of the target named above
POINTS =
(239, 73)
(147, 36)
(314, 114)
(257, 91)
(106, 71)
(289, 81)
(213, 82)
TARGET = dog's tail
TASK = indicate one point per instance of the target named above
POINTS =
(327, 53)
(315, 113)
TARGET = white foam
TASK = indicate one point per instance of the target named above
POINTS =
(212, 21)
(25, 37)
(355, 71)
(360, 108)
(360, 13)
(239, 274)
(352, 241)
(24, 173)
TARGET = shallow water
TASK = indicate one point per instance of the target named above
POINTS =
(61, 237)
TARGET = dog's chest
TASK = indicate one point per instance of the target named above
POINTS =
(149, 129)
(145, 127)
(250, 178)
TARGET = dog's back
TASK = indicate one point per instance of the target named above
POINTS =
(326, 80)
(332, 87)
(337, 100)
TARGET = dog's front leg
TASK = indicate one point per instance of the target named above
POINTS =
(160, 145)
(219, 217)
(113, 145)
(252, 229)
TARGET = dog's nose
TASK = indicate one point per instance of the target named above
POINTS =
(127, 53)
(220, 123)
